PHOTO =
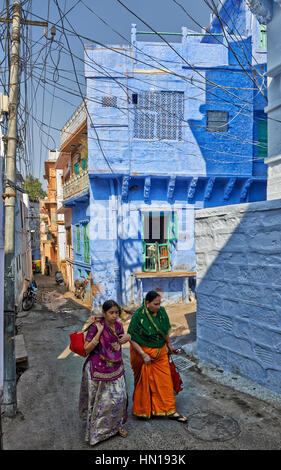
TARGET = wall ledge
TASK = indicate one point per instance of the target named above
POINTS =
(238, 208)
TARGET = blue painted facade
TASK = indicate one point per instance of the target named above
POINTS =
(80, 218)
(153, 154)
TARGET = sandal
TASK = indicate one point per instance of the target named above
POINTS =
(179, 418)
(123, 432)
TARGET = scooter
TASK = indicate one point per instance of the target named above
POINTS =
(29, 296)
(59, 278)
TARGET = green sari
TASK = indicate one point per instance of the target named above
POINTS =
(144, 327)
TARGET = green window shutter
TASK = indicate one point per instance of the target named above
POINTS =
(84, 164)
(164, 261)
(86, 243)
(262, 138)
(173, 227)
(150, 257)
(78, 238)
(76, 168)
(262, 37)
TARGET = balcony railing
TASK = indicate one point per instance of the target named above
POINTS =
(69, 252)
(76, 185)
(77, 118)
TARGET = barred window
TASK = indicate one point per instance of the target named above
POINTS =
(217, 121)
(109, 101)
(158, 115)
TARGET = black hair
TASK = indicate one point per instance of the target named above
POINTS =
(151, 295)
(108, 304)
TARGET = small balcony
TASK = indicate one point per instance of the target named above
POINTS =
(69, 252)
(76, 185)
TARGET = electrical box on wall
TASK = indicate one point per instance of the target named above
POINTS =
(4, 103)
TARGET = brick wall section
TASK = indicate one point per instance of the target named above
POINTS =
(238, 251)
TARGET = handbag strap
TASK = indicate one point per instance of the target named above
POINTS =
(153, 323)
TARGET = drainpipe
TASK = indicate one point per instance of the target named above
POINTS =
(117, 208)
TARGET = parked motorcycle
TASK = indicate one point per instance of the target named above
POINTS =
(80, 288)
(29, 296)
(59, 278)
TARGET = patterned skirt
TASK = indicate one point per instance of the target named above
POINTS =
(103, 405)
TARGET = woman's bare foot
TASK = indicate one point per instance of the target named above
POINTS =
(177, 417)
(123, 432)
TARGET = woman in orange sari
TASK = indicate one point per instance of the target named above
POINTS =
(149, 330)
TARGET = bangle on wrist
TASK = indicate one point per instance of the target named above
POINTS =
(94, 342)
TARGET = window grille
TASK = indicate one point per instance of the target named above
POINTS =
(217, 121)
(109, 101)
(158, 115)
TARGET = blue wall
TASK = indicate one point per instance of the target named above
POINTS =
(80, 217)
(130, 175)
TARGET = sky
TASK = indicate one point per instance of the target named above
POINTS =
(49, 90)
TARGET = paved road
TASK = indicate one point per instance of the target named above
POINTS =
(220, 417)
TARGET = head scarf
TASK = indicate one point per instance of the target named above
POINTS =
(147, 329)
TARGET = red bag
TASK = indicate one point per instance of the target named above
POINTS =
(176, 378)
(77, 343)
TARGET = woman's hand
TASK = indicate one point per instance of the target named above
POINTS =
(146, 358)
(124, 338)
(100, 327)
(171, 350)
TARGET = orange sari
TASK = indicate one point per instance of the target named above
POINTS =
(153, 392)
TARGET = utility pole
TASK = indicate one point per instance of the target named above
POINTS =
(9, 390)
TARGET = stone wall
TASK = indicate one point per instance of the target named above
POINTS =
(238, 251)
(274, 177)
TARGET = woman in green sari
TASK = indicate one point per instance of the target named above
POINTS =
(153, 392)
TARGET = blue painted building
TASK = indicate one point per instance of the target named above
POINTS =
(171, 128)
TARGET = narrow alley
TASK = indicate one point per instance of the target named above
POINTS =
(220, 416)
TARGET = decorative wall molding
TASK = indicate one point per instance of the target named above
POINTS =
(192, 187)
(125, 188)
(171, 188)
(228, 188)
(209, 188)
(147, 187)
(245, 189)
